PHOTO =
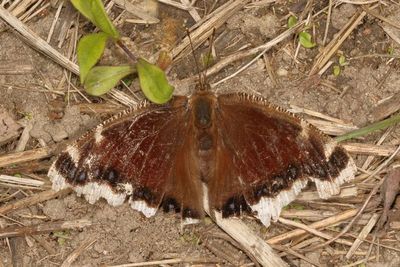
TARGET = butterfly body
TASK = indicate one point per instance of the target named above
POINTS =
(229, 153)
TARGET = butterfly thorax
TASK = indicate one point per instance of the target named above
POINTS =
(203, 118)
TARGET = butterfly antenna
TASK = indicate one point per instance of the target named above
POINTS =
(211, 43)
(195, 60)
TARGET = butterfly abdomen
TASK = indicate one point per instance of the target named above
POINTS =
(205, 134)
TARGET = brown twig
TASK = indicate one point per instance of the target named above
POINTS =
(363, 234)
(167, 261)
(78, 251)
(320, 224)
(248, 240)
(43, 228)
(32, 200)
(19, 157)
(324, 56)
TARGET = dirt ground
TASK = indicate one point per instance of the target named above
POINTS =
(38, 97)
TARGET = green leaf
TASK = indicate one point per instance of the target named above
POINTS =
(380, 125)
(336, 70)
(153, 82)
(84, 6)
(94, 11)
(101, 19)
(101, 79)
(342, 60)
(305, 40)
(291, 22)
(390, 51)
(90, 49)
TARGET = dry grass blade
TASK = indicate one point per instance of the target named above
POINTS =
(320, 224)
(332, 128)
(205, 27)
(324, 56)
(370, 149)
(32, 200)
(19, 157)
(42, 46)
(362, 208)
(225, 251)
(386, 108)
(388, 21)
(249, 241)
(36, 42)
(312, 231)
(15, 68)
(78, 251)
(13, 181)
(313, 195)
(43, 228)
(362, 235)
(164, 262)
(243, 54)
(296, 109)
(289, 250)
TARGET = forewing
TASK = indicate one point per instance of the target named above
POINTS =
(130, 155)
(274, 154)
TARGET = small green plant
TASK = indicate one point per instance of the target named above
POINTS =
(98, 80)
(390, 50)
(337, 69)
(305, 39)
(62, 237)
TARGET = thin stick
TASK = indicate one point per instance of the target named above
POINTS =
(29, 155)
(164, 262)
(36, 42)
(15, 181)
(32, 200)
(312, 231)
(78, 251)
(53, 24)
(320, 224)
(240, 69)
(43, 228)
(43, 47)
(291, 251)
(248, 240)
(264, 47)
(204, 28)
(328, 21)
(370, 149)
(297, 109)
(334, 45)
(362, 235)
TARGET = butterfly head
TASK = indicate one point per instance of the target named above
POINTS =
(203, 86)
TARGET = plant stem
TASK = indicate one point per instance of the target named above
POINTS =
(131, 56)
(370, 128)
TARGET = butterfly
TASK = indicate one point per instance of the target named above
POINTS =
(230, 153)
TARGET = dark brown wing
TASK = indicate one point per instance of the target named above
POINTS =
(272, 155)
(133, 154)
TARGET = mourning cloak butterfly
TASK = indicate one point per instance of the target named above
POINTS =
(233, 153)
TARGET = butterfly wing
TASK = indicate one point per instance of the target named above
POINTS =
(131, 155)
(272, 155)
